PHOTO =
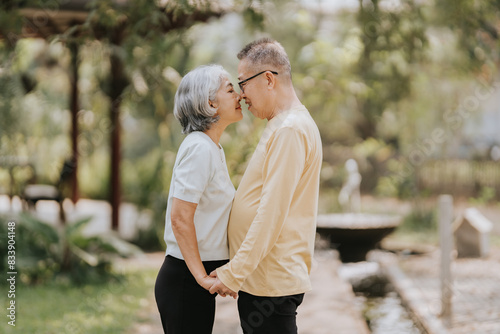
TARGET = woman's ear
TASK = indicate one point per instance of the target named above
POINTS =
(213, 105)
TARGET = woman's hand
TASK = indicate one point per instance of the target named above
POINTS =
(206, 282)
(220, 288)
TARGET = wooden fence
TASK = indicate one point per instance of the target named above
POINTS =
(459, 177)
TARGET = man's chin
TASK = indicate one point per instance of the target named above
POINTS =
(253, 113)
(259, 116)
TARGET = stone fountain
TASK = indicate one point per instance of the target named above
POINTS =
(354, 233)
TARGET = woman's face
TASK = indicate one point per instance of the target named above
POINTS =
(228, 103)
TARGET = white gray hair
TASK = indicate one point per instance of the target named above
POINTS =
(192, 99)
(267, 54)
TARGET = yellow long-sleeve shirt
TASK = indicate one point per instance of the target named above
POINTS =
(272, 224)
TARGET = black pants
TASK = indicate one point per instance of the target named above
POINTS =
(268, 315)
(185, 307)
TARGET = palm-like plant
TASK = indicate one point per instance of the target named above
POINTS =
(45, 251)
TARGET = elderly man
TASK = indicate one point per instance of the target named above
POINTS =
(272, 225)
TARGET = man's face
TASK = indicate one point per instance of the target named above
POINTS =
(254, 90)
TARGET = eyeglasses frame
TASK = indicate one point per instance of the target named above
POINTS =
(240, 84)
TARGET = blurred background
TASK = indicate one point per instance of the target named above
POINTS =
(409, 89)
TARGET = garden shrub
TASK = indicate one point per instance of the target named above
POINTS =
(46, 252)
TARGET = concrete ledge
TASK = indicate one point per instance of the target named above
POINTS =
(409, 293)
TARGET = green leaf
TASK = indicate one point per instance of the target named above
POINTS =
(120, 246)
(76, 227)
(91, 259)
(43, 229)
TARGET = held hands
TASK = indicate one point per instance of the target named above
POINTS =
(206, 282)
(214, 285)
(219, 287)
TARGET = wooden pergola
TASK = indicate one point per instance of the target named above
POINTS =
(72, 21)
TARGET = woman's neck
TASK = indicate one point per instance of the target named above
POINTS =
(215, 132)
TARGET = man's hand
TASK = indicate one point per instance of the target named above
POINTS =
(220, 288)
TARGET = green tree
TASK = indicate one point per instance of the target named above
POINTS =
(476, 25)
(392, 41)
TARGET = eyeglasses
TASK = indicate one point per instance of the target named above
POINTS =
(243, 82)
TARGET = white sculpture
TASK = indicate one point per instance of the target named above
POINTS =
(349, 196)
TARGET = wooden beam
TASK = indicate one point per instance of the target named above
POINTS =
(43, 23)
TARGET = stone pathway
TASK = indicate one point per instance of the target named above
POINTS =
(329, 308)
(476, 291)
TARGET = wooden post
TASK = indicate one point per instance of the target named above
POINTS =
(115, 184)
(115, 164)
(74, 106)
(119, 82)
(446, 245)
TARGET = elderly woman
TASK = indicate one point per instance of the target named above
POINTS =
(199, 202)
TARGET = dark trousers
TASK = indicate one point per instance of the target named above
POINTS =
(185, 307)
(268, 315)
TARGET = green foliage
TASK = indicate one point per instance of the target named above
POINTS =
(45, 252)
(476, 25)
(392, 41)
(399, 181)
(10, 86)
(420, 220)
(10, 21)
(254, 19)
(486, 195)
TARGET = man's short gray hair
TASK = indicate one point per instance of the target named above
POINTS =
(266, 52)
(191, 104)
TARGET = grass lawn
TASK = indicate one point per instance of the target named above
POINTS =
(59, 309)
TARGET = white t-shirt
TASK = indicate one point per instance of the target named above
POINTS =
(200, 176)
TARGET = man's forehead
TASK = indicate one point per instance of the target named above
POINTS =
(242, 69)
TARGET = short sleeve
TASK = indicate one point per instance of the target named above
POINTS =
(192, 173)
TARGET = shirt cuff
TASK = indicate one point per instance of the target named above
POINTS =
(225, 276)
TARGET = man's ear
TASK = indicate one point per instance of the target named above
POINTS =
(271, 80)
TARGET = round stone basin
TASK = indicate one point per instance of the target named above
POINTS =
(354, 234)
